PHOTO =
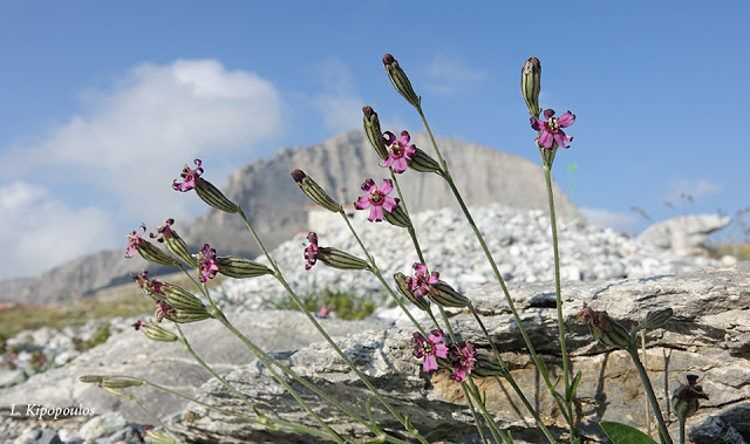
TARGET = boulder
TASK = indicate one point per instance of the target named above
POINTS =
(686, 234)
(709, 336)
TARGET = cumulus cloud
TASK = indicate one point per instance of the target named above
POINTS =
(692, 189)
(339, 104)
(38, 231)
(448, 75)
(124, 148)
(620, 221)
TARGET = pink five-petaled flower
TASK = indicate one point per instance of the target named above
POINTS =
(163, 310)
(551, 134)
(311, 251)
(463, 360)
(429, 349)
(419, 284)
(134, 239)
(399, 151)
(376, 199)
(207, 263)
(189, 177)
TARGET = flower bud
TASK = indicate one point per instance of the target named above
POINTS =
(423, 162)
(157, 333)
(177, 297)
(485, 366)
(241, 268)
(403, 288)
(605, 329)
(340, 259)
(373, 132)
(186, 315)
(398, 79)
(397, 217)
(152, 253)
(91, 379)
(315, 192)
(174, 243)
(214, 197)
(685, 398)
(656, 318)
(531, 81)
(444, 295)
(120, 383)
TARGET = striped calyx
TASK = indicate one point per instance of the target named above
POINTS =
(241, 268)
(444, 295)
(157, 333)
(486, 366)
(315, 192)
(112, 382)
(177, 297)
(179, 248)
(400, 81)
(154, 254)
(397, 217)
(336, 258)
(656, 318)
(214, 197)
(373, 132)
(531, 84)
(404, 289)
(422, 162)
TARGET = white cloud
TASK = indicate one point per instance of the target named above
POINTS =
(339, 103)
(448, 75)
(625, 222)
(124, 148)
(692, 189)
(39, 232)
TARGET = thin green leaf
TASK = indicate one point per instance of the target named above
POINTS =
(573, 387)
(624, 434)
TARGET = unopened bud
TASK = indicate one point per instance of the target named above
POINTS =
(485, 366)
(373, 132)
(403, 288)
(397, 217)
(152, 253)
(241, 268)
(400, 81)
(186, 315)
(177, 297)
(531, 81)
(157, 333)
(174, 243)
(423, 162)
(656, 318)
(120, 383)
(214, 197)
(444, 295)
(605, 329)
(685, 398)
(91, 379)
(315, 192)
(336, 258)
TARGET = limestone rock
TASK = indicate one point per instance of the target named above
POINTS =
(709, 336)
(685, 234)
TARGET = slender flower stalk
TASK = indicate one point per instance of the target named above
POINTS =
(663, 431)
(280, 278)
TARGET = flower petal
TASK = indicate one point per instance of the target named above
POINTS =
(389, 137)
(362, 203)
(390, 204)
(368, 186)
(376, 213)
(545, 139)
(566, 119)
(386, 187)
(429, 364)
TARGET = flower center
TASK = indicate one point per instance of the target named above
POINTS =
(552, 124)
(397, 149)
(376, 197)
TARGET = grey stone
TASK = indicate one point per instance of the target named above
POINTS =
(709, 336)
(103, 425)
(38, 436)
(686, 234)
(11, 377)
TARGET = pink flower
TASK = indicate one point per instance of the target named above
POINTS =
(551, 134)
(138, 324)
(463, 360)
(311, 252)
(376, 199)
(189, 177)
(429, 349)
(134, 239)
(207, 263)
(419, 284)
(400, 151)
(163, 311)
(150, 285)
(324, 312)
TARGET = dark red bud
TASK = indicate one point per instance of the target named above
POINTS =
(298, 175)
(368, 111)
(388, 59)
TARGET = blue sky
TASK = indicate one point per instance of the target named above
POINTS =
(100, 101)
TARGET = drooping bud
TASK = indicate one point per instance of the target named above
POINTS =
(336, 258)
(373, 132)
(423, 162)
(403, 288)
(214, 197)
(685, 398)
(120, 383)
(605, 329)
(400, 81)
(174, 243)
(240, 268)
(156, 332)
(486, 366)
(179, 298)
(531, 81)
(656, 318)
(443, 294)
(397, 217)
(315, 192)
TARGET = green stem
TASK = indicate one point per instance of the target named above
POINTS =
(682, 430)
(499, 435)
(410, 228)
(474, 414)
(663, 432)
(280, 278)
(538, 362)
(558, 293)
